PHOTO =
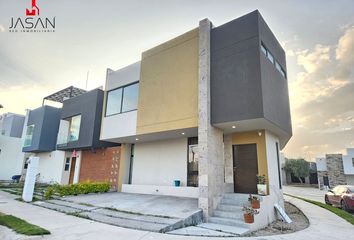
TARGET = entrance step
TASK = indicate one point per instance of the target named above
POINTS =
(229, 207)
(228, 222)
(123, 222)
(228, 214)
(225, 228)
(59, 208)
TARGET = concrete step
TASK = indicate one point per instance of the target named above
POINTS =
(228, 221)
(59, 208)
(200, 231)
(134, 216)
(235, 202)
(228, 207)
(237, 196)
(229, 214)
(127, 223)
(81, 207)
(225, 228)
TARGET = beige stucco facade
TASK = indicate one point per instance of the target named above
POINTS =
(168, 92)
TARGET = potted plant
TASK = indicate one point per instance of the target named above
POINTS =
(261, 185)
(254, 201)
(248, 214)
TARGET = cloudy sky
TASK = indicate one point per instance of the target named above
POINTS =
(94, 35)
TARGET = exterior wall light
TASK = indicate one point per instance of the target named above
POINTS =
(259, 133)
(233, 126)
(136, 139)
(183, 133)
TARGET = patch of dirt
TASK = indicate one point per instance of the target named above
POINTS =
(300, 222)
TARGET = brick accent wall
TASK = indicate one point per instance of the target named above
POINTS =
(101, 165)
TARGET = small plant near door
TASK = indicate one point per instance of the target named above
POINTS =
(261, 185)
(254, 201)
(248, 214)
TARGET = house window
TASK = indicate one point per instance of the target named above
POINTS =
(353, 161)
(278, 162)
(29, 135)
(25, 166)
(130, 98)
(263, 49)
(193, 163)
(114, 102)
(270, 57)
(122, 99)
(74, 128)
(67, 164)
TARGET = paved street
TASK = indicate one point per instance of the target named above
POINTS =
(322, 225)
(306, 192)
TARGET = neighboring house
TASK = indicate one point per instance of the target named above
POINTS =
(40, 137)
(11, 156)
(208, 109)
(336, 169)
(86, 157)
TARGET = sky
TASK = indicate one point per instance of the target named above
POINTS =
(91, 36)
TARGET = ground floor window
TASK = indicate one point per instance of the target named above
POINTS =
(67, 164)
(192, 164)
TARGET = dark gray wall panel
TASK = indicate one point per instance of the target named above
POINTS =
(46, 125)
(89, 105)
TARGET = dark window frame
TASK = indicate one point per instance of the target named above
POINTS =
(191, 141)
(67, 164)
(278, 163)
(121, 102)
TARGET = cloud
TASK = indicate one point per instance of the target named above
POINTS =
(322, 98)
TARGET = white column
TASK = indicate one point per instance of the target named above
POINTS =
(30, 180)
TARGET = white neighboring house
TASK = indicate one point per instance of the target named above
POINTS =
(11, 155)
(348, 165)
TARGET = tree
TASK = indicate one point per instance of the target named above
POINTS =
(298, 167)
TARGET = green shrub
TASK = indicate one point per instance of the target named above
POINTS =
(76, 189)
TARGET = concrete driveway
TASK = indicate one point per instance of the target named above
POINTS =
(323, 225)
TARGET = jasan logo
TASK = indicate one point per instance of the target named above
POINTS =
(32, 23)
(34, 10)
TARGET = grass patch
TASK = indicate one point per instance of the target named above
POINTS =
(339, 212)
(21, 226)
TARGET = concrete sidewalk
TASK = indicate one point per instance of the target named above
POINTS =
(323, 225)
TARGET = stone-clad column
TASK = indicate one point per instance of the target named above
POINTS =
(210, 139)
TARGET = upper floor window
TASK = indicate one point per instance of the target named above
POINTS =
(270, 57)
(122, 99)
(353, 161)
(29, 135)
(74, 129)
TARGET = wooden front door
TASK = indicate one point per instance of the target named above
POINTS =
(245, 168)
(72, 170)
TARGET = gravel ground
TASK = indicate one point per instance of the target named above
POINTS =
(300, 222)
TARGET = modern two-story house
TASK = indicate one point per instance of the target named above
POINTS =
(202, 115)
(11, 156)
(86, 157)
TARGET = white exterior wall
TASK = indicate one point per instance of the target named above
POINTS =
(116, 79)
(160, 162)
(267, 212)
(51, 167)
(109, 129)
(321, 164)
(11, 157)
(77, 167)
(348, 164)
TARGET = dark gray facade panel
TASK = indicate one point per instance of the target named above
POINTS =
(46, 125)
(89, 105)
(244, 83)
(17, 126)
(236, 92)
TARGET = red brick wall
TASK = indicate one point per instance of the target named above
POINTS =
(101, 165)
